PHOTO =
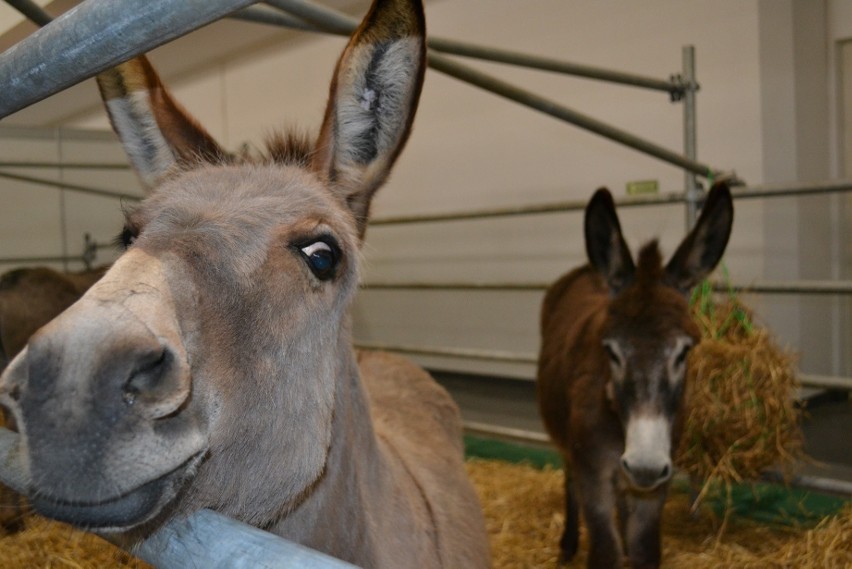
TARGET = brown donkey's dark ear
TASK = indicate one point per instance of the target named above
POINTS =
(605, 245)
(372, 102)
(156, 132)
(701, 250)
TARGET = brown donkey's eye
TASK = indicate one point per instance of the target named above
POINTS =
(681, 356)
(612, 353)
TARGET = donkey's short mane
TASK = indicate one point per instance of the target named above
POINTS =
(649, 266)
(289, 148)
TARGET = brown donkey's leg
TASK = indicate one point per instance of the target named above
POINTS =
(643, 529)
(571, 533)
(598, 497)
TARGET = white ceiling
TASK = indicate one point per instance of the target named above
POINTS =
(202, 48)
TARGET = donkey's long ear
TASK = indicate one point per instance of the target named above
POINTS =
(702, 249)
(605, 245)
(156, 132)
(372, 102)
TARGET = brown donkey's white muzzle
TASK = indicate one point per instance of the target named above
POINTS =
(647, 461)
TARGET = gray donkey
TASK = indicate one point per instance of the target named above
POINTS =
(212, 366)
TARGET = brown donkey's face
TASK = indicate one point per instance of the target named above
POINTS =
(211, 350)
(649, 331)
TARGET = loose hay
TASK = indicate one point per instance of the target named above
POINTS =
(524, 515)
(741, 413)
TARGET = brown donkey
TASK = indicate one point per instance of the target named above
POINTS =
(212, 366)
(32, 297)
(612, 368)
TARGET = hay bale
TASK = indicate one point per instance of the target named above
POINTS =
(741, 412)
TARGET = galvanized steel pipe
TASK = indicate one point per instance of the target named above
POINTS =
(690, 147)
(31, 10)
(68, 186)
(94, 36)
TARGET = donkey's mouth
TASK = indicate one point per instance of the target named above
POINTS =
(121, 513)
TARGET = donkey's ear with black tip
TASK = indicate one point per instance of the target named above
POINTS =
(605, 245)
(702, 249)
(158, 135)
(373, 98)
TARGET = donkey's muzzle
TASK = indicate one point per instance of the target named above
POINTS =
(646, 476)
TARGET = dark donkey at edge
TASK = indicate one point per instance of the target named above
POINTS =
(212, 366)
(611, 377)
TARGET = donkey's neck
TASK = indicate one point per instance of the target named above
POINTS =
(336, 516)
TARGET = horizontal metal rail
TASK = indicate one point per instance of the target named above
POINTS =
(522, 435)
(740, 192)
(337, 22)
(42, 260)
(761, 287)
(464, 353)
(69, 186)
(807, 380)
(92, 37)
(66, 165)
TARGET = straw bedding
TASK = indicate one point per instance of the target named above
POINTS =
(524, 514)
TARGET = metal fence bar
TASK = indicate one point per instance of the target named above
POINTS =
(464, 353)
(807, 380)
(336, 21)
(92, 37)
(757, 287)
(523, 435)
(690, 139)
(31, 10)
(740, 192)
(210, 540)
(41, 260)
(68, 186)
(260, 15)
(67, 165)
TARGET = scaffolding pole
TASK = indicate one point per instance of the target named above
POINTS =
(94, 36)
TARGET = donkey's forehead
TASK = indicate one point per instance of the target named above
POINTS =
(239, 197)
(650, 314)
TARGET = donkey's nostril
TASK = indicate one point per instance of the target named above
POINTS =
(625, 465)
(147, 375)
(666, 472)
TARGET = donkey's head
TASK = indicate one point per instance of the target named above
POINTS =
(649, 331)
(213, 348)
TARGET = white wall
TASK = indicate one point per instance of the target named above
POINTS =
(471, 149)
(38, 220)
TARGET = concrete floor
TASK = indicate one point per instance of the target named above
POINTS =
(511, 404)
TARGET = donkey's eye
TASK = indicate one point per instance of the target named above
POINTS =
(322, 258)
(681, 352)
(681, 356)
(612, 353)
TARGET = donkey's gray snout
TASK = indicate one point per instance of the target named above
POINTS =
(646, 476)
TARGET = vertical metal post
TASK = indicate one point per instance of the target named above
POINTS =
(693, 192)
